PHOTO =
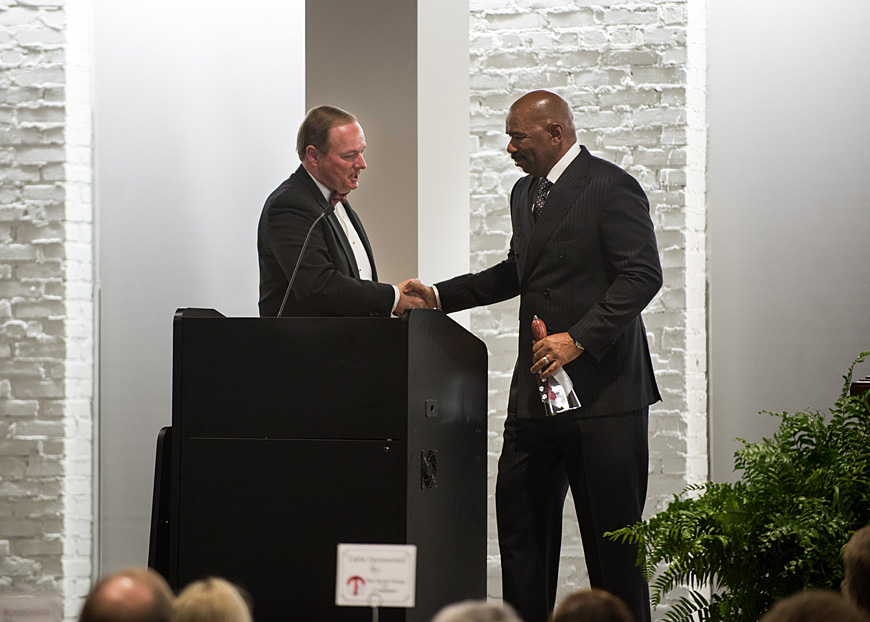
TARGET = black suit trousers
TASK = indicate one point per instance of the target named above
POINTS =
(605, 461)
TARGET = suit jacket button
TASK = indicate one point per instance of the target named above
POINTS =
(562, 255)
(546, 292)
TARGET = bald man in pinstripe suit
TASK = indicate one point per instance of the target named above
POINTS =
(586, 262)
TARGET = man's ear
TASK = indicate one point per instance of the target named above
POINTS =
(311, 154)
(556, 131)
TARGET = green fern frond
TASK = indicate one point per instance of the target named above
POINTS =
(687, 607)
(779, 529)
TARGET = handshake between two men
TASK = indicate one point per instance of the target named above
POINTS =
(583, 258)
(548, 354)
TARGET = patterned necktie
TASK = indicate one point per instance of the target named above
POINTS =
(335, 197)
(541, 196)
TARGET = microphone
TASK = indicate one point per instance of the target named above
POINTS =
(326, 212)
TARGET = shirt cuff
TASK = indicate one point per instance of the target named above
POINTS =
(437, 298)
(395, 301)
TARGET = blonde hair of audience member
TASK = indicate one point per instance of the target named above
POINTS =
(211, 600)
(856, 567)
(477, 611)
(814, 606)
(592, 605)
(129, 595)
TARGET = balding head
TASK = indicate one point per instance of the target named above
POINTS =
(541, 129)
(545, 108)
(130, 595)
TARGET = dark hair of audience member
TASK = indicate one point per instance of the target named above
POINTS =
(814, 606)
(129, 595)
(856, 566)
(592, 605)
(211, 600)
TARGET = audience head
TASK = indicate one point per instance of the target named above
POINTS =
(477, 611)
(856, 566)
(211, 600)
(593, 605)
(129, 595)
(814, 606)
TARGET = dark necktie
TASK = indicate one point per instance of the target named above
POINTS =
(335, 197)
(541, 196)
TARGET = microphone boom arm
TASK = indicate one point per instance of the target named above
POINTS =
(325, 212)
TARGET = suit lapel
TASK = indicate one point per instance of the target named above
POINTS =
(337, 229)
(526, 196)
(559, 201)
(522, 219)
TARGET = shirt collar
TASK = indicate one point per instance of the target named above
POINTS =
(563, 163)
(327, 193)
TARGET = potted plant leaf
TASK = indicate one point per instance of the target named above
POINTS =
(777, 530)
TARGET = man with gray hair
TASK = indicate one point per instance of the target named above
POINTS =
(477, 611)
(129, 595)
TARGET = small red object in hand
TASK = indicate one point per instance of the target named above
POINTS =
(539, 329)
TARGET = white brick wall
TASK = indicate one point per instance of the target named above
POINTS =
(46, 299)
(634, 73)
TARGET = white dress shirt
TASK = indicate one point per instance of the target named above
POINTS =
(359, 252)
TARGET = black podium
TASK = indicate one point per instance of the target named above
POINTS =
(292, 435)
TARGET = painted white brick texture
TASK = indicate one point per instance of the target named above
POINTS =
(46, 299)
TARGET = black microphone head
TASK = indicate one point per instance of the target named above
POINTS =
(329, 209)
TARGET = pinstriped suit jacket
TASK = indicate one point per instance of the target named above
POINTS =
(588, 266)
(328, 282)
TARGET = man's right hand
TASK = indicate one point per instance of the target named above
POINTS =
(408, 299)
(415, 287)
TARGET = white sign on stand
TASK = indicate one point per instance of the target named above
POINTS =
(376, 575)
(39, 608)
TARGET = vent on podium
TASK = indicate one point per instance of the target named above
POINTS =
(429, 468)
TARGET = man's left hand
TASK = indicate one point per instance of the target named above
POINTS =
(552, 352)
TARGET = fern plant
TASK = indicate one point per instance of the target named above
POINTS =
(777, 530)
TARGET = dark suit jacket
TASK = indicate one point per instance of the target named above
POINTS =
(327, 283)
(588, 266)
